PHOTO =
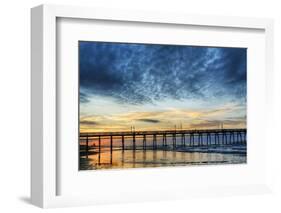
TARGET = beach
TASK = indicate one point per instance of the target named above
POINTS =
(181, 156)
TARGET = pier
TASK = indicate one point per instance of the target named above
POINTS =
(164, 140)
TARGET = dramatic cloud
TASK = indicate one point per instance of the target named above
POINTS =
(209, 124)
(161, 87)
(89, 123)
(139, 73)
(83, 97)
(149, 120)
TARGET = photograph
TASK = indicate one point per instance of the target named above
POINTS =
(160, 105)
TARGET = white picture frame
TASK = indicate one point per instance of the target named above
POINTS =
(44, 153)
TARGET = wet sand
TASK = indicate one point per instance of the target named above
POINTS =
(120, 159)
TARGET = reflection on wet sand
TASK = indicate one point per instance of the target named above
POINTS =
(117, 158)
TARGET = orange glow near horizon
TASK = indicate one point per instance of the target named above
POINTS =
(162, 120)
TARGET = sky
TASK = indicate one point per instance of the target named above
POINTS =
(161, 87)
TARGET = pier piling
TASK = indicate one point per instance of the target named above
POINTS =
(154, 142)
(134, 141)
(144, 142)
(123, 142)
(87, 146)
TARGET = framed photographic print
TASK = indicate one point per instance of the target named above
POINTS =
(148, 105)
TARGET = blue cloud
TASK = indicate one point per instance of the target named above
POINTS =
(141, 73)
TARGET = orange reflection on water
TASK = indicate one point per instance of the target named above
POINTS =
(154, 158)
